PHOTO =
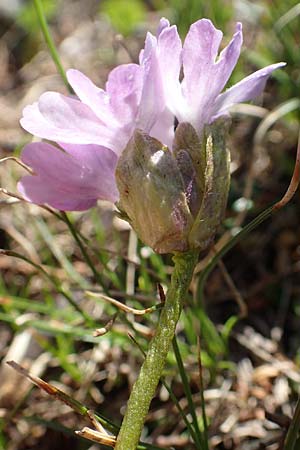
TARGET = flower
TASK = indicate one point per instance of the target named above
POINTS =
(91, 129)
(198, 98)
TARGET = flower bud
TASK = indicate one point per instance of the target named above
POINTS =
(175, 200)
(152, 194)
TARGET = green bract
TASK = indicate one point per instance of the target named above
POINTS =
(175, 199)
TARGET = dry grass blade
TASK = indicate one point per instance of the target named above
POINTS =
(96, 436)
(49, 389)
(19, 198)
(121, 306)
(67, 400)
(161, 293)
(294, 183)
(19, 162)
(102, 331)
(273, 116)
(13, 195)
(99, 434)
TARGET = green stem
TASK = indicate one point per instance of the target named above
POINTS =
(49, 41)
(172, 396)
(293, 431)
(152, 368)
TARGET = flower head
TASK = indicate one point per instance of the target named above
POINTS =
(91, 129)
(175, 199)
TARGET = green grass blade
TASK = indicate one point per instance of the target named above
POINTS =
(201, 386)
(293, 431)
(49, 41)
(200, 444)
(56, 250)
(53, 281)
(84, 252)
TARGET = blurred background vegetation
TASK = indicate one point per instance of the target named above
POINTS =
(250, 364)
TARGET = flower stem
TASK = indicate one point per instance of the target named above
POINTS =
(152, 368)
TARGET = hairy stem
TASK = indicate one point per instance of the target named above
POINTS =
(152, 368)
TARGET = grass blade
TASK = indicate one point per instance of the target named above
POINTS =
(198, 435)
(293, 431)
(49, 41)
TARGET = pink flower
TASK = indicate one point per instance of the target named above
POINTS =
(69, 180)
(197, 99)
(93, 128)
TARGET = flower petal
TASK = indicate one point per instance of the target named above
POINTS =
(63, 181)
(247, 89)
(163, 23)
(204, 75)
(163, 129)
(228, 59)
(161, 63)
(64, 119)
(101, 164)
(34, 190)
(97, 99)
(200, 51)
(124, 87)
(152, 101)
(169, 56)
